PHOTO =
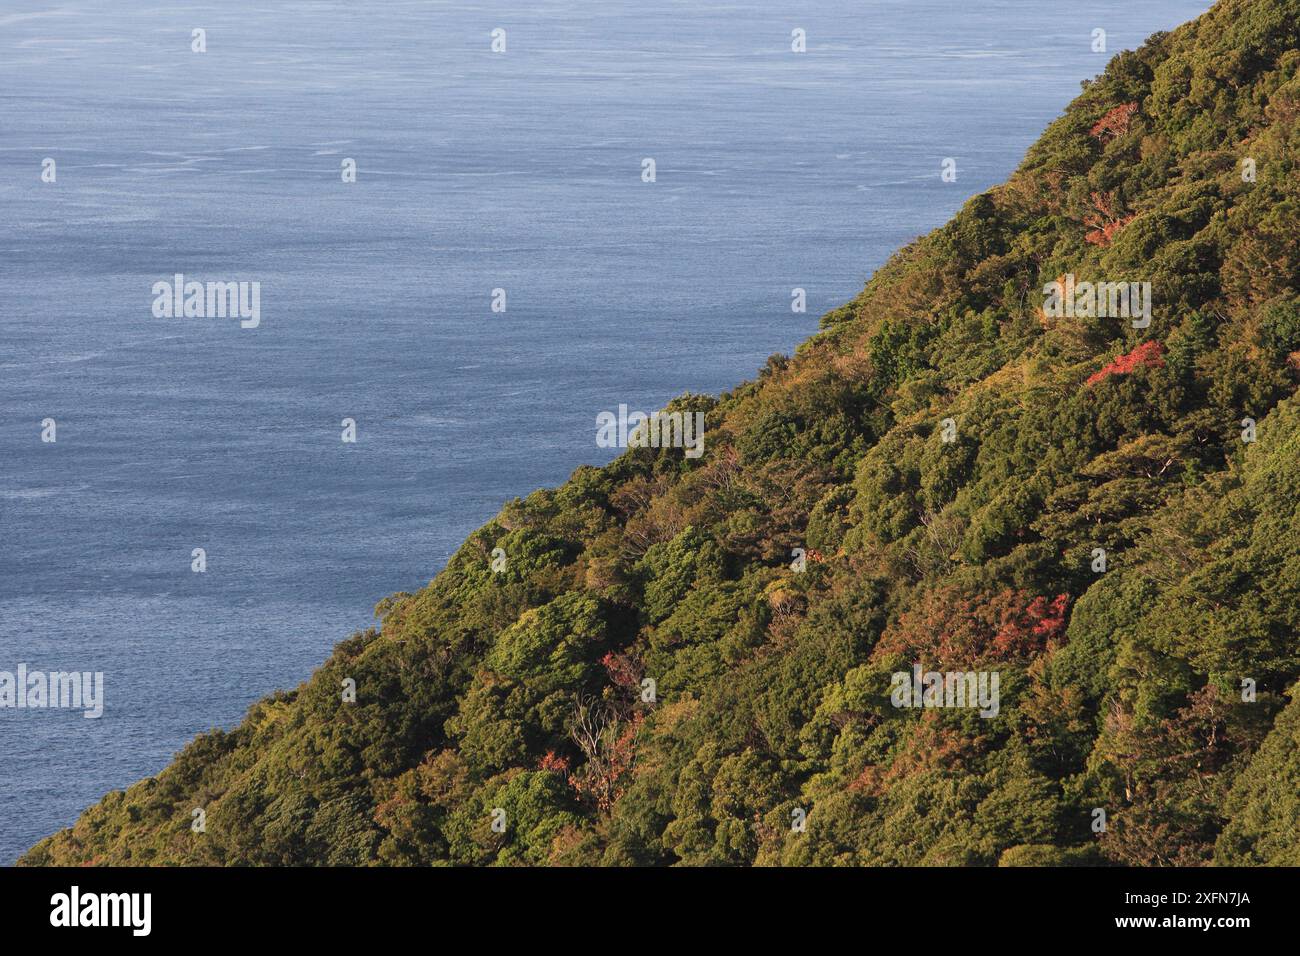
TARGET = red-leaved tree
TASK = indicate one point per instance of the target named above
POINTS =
(1115, 123)
(1147, 355)
(554, 762)
(1104, 221)
(949, 628)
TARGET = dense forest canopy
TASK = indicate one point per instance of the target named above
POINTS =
(677, 660)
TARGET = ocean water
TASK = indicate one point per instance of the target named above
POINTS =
(475, 171)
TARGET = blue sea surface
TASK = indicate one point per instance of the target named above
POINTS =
(475, 171)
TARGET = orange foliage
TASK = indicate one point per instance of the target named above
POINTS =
(1115, 123)
(1147, 355)
(1104, 221)
(554, 763)
(949, 628)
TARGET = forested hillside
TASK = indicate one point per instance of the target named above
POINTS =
(931, 479)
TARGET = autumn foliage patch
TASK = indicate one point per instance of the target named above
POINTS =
(1115, 123)
(950, 629)
(1147, 355)
(1104, 221)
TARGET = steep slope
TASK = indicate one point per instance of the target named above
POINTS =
(950, 456)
